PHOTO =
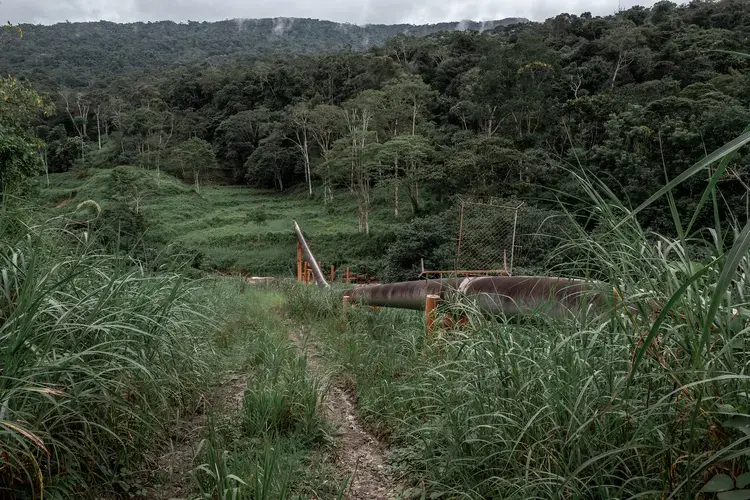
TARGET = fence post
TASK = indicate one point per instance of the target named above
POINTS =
(345, 305)
(430, 311)
(348, 275)
(299, 261)
(333, 273)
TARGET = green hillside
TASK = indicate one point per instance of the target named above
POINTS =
(231, 228)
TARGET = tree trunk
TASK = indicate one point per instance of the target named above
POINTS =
(395, 189)
(307, 164)
(359, 213)
(617, 68)
(366, 196)
(98, 130)
(46, 165)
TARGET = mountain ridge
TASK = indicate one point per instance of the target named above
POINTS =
(82, 51)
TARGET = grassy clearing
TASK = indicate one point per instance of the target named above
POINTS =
(231, 227)
(641, 403)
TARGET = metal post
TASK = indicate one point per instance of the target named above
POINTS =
(460, 234)
(306, 275)
(430, 310)
(513, 241)
(345, 305)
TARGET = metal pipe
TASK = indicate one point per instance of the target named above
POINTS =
(319, 278)
(509, 295)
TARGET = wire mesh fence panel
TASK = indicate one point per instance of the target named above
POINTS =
(487, 235)
(538, 233)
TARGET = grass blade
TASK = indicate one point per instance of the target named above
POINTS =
(728, 272)
(720, 153)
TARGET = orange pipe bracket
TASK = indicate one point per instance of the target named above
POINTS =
(430, 312)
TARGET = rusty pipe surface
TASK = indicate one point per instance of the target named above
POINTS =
(405, 295)
(509, 295)
(317, 273)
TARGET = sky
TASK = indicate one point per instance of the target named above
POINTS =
(351, 11)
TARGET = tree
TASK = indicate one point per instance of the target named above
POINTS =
(20, 108)
(273, 162)
(239, 135)
(148, 131)
(300, 119)
(415, 151)
(405, 100)
(327, 126)
(195, 156)
(622, 44)
(354, 155)
(78, 112)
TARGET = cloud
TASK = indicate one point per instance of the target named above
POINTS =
(353, 11)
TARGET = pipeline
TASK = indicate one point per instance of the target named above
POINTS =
(317, 273)
(508, 295)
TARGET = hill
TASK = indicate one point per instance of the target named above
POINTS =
(225, 228)
(73, 54)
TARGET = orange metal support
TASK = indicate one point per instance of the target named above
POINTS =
(306, 273)
(430, 312)
(299, 261)
(450, 321)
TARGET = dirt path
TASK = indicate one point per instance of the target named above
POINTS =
(176, 463)
(359, 454)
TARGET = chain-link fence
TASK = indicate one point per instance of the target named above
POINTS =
(487, 237)
(538, 232)
(498, 237)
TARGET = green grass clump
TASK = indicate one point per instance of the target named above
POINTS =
(275, 444)
(98, 356)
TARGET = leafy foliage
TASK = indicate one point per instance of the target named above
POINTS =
(20, 108)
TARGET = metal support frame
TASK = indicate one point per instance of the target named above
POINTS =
(310, 258)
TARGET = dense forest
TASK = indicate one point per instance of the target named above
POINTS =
(633, 98)
(79, 54)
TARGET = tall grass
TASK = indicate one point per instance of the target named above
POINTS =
(96, 355)
(274, 445)
(645, 401)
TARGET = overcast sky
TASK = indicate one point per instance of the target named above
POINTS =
(352, 11)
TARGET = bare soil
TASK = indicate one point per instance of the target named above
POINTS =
(358, 454)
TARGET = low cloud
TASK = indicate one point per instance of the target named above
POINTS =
(357, 11)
